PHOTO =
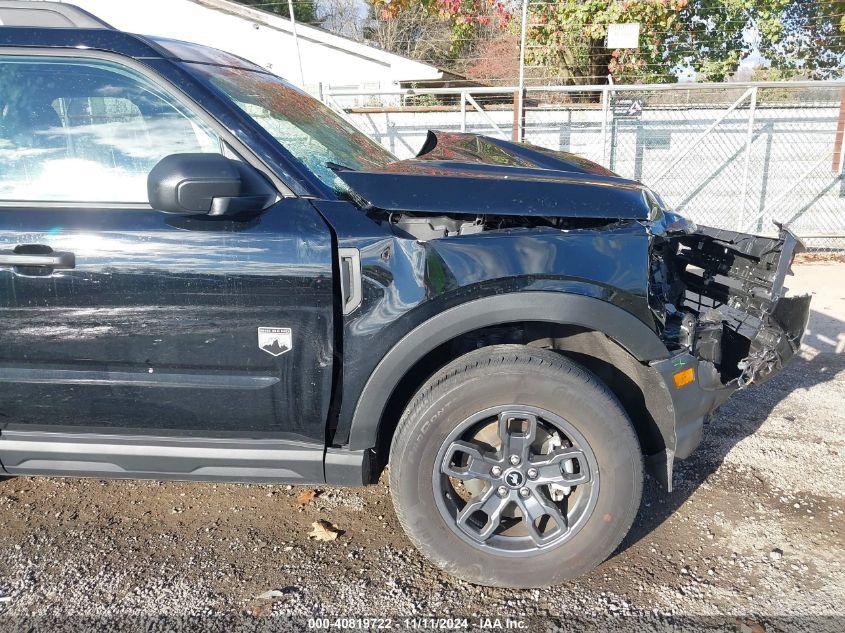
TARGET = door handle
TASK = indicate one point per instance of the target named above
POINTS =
(39, 256)
(350, 279)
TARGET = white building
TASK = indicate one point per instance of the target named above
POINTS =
(267, 40)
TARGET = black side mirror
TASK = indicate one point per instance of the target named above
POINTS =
(201, 184)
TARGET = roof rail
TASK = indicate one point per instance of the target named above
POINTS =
(48, 15)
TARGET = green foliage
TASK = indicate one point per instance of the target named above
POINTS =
(566, 38)
(709, 37)
(422, 100)
(806, 39)
(466, 19)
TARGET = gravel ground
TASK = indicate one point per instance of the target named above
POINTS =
(750, 540)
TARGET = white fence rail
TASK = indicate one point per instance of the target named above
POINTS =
(734, 155)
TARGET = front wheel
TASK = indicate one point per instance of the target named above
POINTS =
(515, 467)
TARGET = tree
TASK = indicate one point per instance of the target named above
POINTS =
(496, 61)
(461, 23)
(566, 39)
(412, 32)
(303, 10)
(807, 39)
(709, 37)
(345, 17)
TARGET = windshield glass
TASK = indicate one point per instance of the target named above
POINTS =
(304, 126)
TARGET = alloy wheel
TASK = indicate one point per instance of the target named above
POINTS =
(515, 479)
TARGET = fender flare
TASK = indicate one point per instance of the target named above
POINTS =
(550, 307)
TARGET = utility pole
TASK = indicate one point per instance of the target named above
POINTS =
(296, 44)
(520, 118)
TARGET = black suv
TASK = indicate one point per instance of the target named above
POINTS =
(206, 274)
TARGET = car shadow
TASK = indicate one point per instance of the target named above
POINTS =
(820, 360)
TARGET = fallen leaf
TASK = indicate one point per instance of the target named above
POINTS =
(324, 531)
(262, 610)
(305, 497)
(264, 605)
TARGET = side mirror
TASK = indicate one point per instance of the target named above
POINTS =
(201, 184)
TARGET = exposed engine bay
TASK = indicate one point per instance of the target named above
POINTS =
(424, 227)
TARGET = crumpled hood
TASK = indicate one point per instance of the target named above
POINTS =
(478, 175)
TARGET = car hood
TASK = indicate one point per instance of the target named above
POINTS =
(478, 175)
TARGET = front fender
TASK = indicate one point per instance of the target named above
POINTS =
(418, 294)
(550, 307)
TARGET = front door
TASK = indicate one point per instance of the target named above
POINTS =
(118, 321)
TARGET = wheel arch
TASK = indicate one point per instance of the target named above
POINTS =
(620, 340)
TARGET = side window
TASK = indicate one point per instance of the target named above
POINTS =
(81, 130)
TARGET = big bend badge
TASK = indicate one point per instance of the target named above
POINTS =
(275, 340)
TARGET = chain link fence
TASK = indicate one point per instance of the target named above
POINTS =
(735, 156)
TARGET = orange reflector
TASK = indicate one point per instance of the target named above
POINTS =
(684, 377)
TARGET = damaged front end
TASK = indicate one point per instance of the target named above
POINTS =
(721, 295)
(714, 301)
(720, 302)
(715, 294)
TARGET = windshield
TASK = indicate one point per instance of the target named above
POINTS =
(305, 127)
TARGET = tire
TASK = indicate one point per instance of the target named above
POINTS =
(509, 383)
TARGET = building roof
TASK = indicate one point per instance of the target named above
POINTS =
(265, 39)
(323, 36)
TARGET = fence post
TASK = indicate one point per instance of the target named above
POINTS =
(839, 139)
(605, 103)
(518, 134)
(463, 111)
(749, 141)
(520, 103)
